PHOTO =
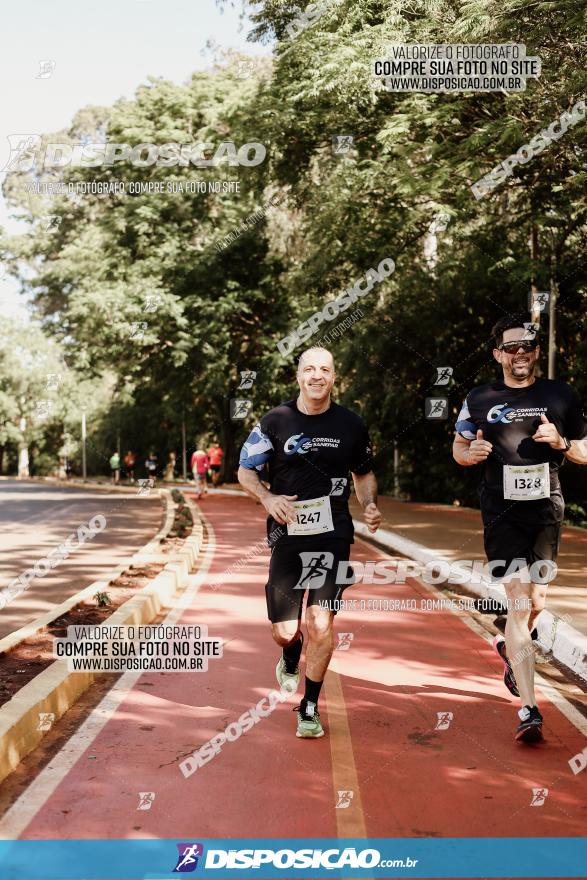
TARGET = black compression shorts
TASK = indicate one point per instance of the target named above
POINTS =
(300, 564)
(509, 534)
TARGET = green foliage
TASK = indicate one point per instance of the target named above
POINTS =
(576, 515)
(221, 309)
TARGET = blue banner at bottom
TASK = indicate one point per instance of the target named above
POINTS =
(290, 858)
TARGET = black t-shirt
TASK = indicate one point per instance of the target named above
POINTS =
(311, 456)
(508, 418)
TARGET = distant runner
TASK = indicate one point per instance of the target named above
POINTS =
(522, 427)
(115, 467)
(129, 463)
(311, 446)
(215, 455)
(151, 466)
(199, 465)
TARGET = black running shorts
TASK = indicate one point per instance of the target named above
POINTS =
(509, 533)
(309, 563)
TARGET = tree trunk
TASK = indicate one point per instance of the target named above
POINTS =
(228, 433)
(23, 452)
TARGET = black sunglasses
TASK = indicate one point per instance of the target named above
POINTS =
(524, 344)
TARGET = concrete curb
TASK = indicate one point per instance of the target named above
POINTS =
(567, 644)
(90, 485)
(56, 689)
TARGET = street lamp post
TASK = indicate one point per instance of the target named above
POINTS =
(184, 451)
(84, 434)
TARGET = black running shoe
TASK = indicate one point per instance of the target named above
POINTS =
(508, 674)
(530, 726)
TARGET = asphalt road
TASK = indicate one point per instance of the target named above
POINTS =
(35, 518)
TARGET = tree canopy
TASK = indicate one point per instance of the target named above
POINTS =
(166, 297)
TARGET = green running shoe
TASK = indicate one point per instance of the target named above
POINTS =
(309, 726)
(287, 681)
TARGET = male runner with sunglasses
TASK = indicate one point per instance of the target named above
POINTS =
(311, 446)
(522, 427)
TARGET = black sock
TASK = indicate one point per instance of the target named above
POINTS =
(292, 654)
(311, 693)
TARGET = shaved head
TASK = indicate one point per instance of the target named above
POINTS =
(315, 353)
(315, 377)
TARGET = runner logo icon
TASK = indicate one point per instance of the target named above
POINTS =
(315, 566)
(444, 719)
(338, 485)
(539, 795)
(297, 443)
(344, 799)
(187, 861)
(146, 799)
(500, 413)
(344, 641)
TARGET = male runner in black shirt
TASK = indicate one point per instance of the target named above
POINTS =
(311, 446)
(522, 427)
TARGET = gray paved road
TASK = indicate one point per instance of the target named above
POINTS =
(37, 517)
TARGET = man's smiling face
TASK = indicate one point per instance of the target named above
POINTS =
(316, 374)
(517, 364)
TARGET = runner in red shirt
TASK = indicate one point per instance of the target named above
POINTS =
(215, 454)
(129, 463)
(199, 465)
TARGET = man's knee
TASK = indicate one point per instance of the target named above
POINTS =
(538, 602)
(319, 623)
(538, 599)
(519, 598)
(285, 632)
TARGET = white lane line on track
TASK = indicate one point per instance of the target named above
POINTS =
(31, 801)
(562, 704)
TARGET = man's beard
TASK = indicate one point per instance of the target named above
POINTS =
(523, 369)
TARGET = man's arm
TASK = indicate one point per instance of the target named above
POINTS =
(277, 506)
(578, 452)
(251, 483)
(547, 433)
(366, 492)
(469, 452)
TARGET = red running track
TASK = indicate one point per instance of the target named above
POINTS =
(380, 712)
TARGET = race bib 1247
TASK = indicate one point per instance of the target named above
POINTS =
(313, 517)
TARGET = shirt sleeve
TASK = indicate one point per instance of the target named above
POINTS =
(575, 426)
(464, 425)
(257, 450)
(362, 458)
